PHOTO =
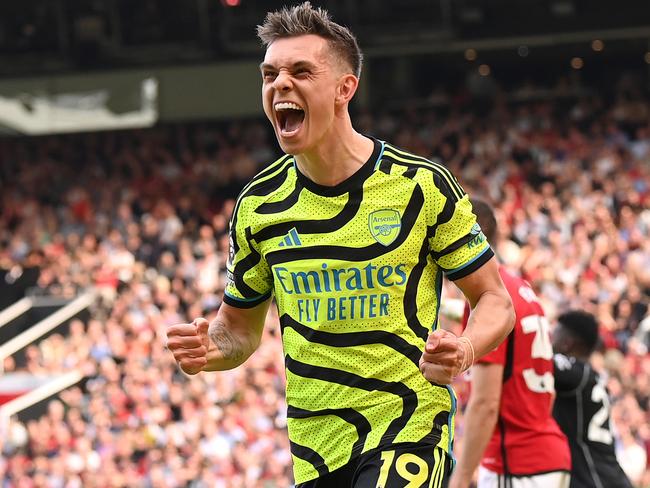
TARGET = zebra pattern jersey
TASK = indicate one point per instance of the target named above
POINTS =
(356, 270)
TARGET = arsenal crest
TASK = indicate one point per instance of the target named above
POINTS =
(385, 225)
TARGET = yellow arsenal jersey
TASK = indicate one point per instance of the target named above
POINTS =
(356, 270)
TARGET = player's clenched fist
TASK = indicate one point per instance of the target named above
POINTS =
(189, 343)
(445, 356)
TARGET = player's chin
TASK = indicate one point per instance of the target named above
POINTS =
(290, 145)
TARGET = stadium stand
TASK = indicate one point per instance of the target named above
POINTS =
(141, 217)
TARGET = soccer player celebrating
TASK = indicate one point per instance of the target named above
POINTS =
(582, 404)
(509, 428)
(352, 236)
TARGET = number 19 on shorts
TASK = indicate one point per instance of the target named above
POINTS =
(413, 468)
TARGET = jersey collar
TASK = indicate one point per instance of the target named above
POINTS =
(354, 181)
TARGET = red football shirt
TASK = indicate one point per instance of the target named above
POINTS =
(526, 439)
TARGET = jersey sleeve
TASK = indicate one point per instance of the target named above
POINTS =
(249, 280)
(456, 241)
(568, 373)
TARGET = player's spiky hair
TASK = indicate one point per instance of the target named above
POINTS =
(304, 19)
(582, 326)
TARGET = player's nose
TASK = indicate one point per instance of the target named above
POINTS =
(282, 82)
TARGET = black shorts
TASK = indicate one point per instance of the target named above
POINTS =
(406, 465)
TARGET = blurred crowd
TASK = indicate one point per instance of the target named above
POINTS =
(142, 217)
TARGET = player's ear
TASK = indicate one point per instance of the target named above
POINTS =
(346, 88)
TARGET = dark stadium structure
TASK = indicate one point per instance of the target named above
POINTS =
(44, 36)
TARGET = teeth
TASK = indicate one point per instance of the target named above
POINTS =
(287, 106)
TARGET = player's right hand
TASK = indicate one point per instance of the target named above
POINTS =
(189, 343)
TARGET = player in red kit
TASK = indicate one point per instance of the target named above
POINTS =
(509, 428)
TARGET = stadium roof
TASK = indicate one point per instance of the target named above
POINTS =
(45, 36)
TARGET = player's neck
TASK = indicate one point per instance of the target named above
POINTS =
(339, 154)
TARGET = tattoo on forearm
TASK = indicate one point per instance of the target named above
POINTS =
(225, 341)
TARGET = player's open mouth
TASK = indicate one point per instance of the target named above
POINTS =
(290, 117)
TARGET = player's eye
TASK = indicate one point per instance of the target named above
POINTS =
(269, 75)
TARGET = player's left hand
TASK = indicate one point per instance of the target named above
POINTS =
(443, 357)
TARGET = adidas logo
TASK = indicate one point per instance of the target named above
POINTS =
(291, 239)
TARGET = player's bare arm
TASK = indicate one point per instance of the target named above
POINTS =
(226, 343)
(480, 418)
(492, 318)
(235, 334)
